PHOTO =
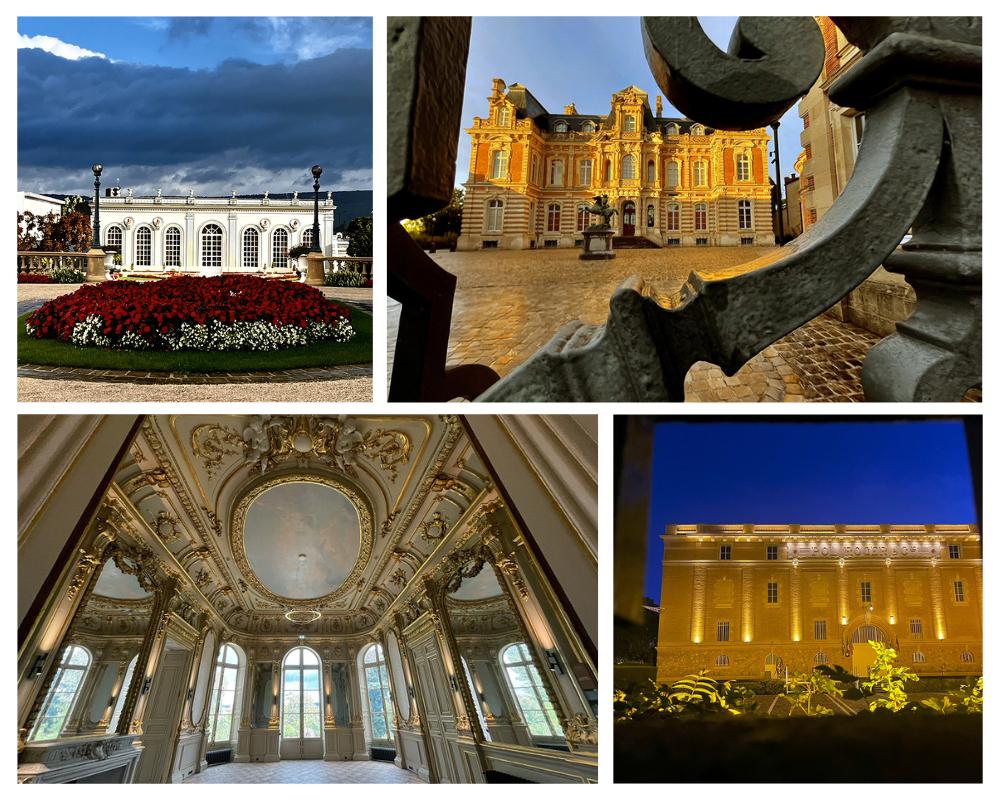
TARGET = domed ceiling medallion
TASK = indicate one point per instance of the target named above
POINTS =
(302, 540)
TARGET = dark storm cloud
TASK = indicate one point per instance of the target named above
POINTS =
(270, 117)
(181, 27)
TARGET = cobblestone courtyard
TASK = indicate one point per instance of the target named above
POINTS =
(510, 303)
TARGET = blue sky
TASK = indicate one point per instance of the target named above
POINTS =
(205, 103)
(582, 60)
(776, 473)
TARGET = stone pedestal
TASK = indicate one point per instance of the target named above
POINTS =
(314, 269)
(95, 266)
(597, 244)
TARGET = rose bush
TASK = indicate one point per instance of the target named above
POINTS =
(225, 312)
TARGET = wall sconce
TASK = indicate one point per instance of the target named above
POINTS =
(843, 620)
(747, 639)
(146, 684)
(36, 668)
(554, 664)
(892, 620)
(454, 683)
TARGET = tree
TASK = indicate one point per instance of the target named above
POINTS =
(360, 234)
(636, 644)
(441, 223)
(54, 234)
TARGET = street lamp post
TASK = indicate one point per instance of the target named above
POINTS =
(777, 172)
(317, 171)
(95, 241)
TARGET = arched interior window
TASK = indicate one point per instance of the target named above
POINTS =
(500, 159)
(629, 124)
(494, 215)
(528, 690)
(377, 687)
(62, 694)
(122, 693)
(554, 213)
(251, 249)
(279, 248)
(588, 127)
(967, 656)
(113, 236)
(503, 117)
(673, 173)
(143, 246)
(561, 126)
(722, 661)
(820, 658)
(172, 247)
(744, 214)
(556, 172)
(742, 167)
(301, 712)
(672, 129)
(700, 174)
(211, 246)
(701, 217)
(673, 217)
(628, 168)
(918, 658)
(220, 719)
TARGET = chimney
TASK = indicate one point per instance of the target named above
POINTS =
(570, 109)
(659, 106)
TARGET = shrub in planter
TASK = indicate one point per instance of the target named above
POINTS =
(298, 250)
(344, 279)
(224, 312)
(24, 277)
(67, 275)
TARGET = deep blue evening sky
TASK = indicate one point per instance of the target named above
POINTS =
(205, 103)
(582, 60)
(722, 473)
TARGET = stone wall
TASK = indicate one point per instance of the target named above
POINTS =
(877, 304)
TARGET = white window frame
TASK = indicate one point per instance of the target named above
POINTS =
(64, 670)
(586, 172)
(521, 659)
(302, 668)
(250, 250)
(494, 216)
(144, 249)
(209, 241)
(700, 173)
(554, 212)
(673, 217)
(170, 258)
(673, 174)
(628, 125)
(772, 592)
(744, 167)
(501, 160)
(866, 592)
(279, 253)
(629, 169)
(959, 587)
(745, 215)
(223, 667)
(556, 169)
(378, 667)
(701, 223)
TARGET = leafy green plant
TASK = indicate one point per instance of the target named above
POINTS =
(691, 696)
(343, 279)
(66, 275)
(968, 700)
(886, 677)
(803, 687)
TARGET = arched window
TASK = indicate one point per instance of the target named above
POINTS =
(62, 695)
(377, 687)
(503, 117)
(607, 170)
(556, 172)
(628, 168)
(742, 167)
(700, 173)
(251, 249)
(820, 658)
(722, 661)
(629, 124)
(701, 217)
(673, 173)
(120, 701)
(582, 218)
(588, 127)
(300, 693)
(746, 222)
(651, 172)
(279, 248)
(143, 246)
(673, 217)
(528, 690)
(967, 656)
(494, 216)
(673, 129)
(561, 126)
(697, 130)
(172, 247)
(554, 212)
(220, 712)
(113, 236)
(650, 217)
(211, 246)
(500, 159)
(307, 236)
(918, 658)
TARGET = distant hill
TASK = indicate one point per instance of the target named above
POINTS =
(349, 204)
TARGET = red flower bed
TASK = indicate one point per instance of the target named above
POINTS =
(24, 277)
(367, 284)
(143, 310)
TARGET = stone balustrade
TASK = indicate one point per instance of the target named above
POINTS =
(360, 265)
(40, 263)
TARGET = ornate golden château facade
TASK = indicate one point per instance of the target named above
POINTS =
(749, 601)
(672, 181)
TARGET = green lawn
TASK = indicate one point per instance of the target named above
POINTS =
(63, 354)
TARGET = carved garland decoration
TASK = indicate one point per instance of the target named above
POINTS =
(364, 553)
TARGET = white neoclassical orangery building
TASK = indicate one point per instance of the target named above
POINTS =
(212, 235)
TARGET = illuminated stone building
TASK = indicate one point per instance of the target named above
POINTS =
(672, 181)
(749, 601)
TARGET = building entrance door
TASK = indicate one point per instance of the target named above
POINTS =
(628, 219)
(862, 659)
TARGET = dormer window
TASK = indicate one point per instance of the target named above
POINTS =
(588, 127)
(561, 126)
(503, 117)
(629, 124)
(672, 129)
(697, 130)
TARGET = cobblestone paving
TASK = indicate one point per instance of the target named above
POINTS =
(306, 772)
(509, 304)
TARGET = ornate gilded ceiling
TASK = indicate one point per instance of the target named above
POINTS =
(264, 516)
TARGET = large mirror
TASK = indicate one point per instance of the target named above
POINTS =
(97, 658)
(511, 699)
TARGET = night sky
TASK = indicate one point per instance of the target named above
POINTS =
(582, 60)
(732, 473)
(210, 104)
